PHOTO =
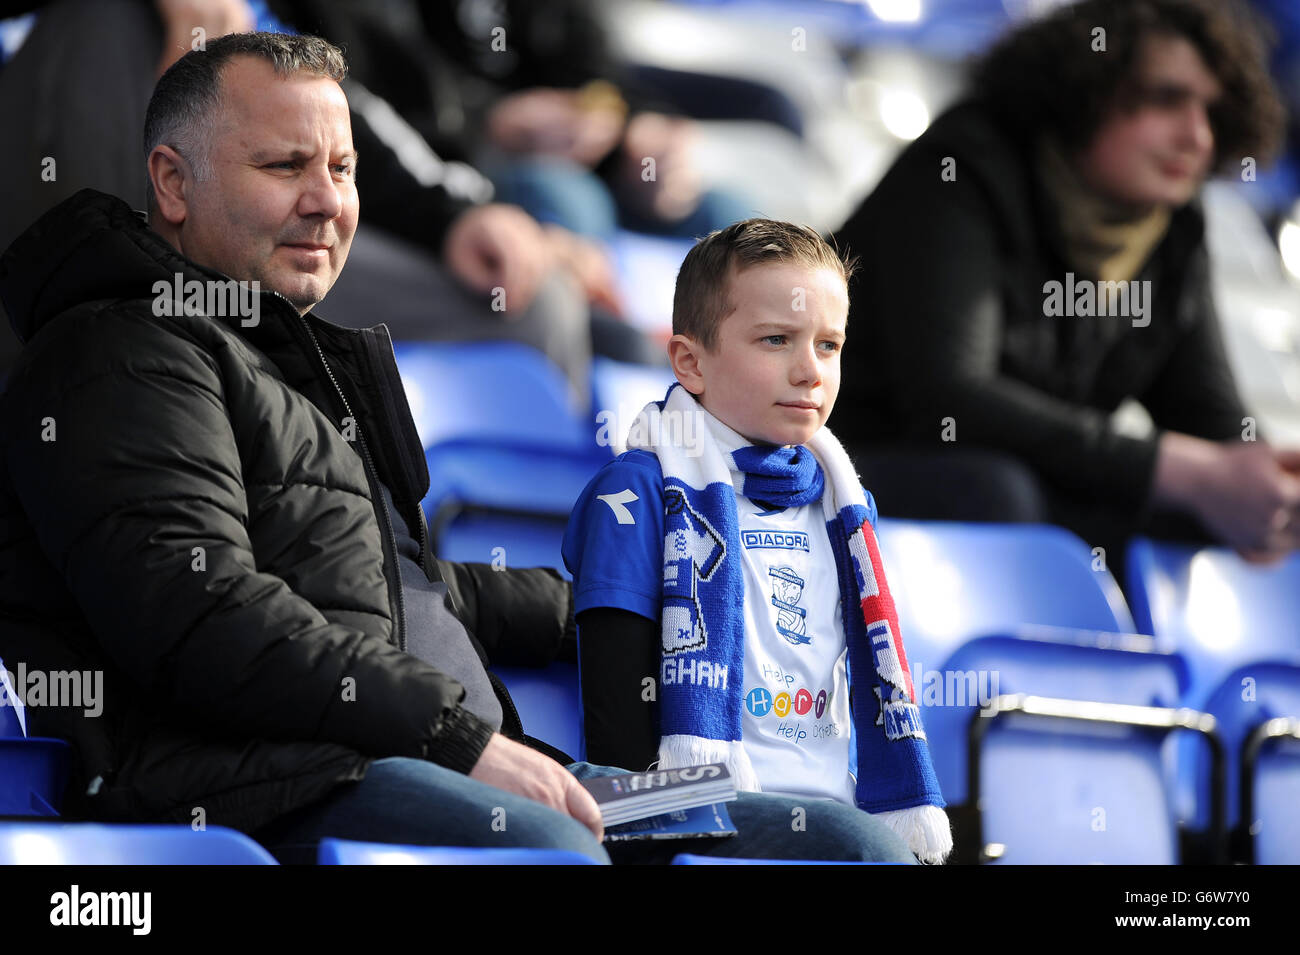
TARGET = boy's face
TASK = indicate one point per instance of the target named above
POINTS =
(774, 370)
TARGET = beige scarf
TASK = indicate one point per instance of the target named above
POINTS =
(1103, 239)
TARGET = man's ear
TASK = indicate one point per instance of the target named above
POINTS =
(171, 176)
(684, 354)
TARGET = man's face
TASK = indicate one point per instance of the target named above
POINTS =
(282, 205)
(774, 370)
(1161, 150)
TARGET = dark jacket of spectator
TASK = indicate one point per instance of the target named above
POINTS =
(184, 507)
(947, 321)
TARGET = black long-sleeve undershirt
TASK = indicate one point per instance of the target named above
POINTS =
(619, 651)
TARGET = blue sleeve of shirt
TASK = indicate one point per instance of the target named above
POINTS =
(871, 508)
(614, 544)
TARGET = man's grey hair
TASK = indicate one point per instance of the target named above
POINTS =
(187, 99)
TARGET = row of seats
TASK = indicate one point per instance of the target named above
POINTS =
(1107, 735)
(24, 843)
(1100, 770)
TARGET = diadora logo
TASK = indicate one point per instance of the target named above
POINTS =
(784, 540)
(760, 702)
(618, 503)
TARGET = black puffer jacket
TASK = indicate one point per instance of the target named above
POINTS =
(181, 508)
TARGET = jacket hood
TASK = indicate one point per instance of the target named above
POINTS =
(90, 246)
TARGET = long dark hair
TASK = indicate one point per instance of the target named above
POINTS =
(1048, 77)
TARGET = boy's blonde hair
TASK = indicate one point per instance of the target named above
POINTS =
(700, 302)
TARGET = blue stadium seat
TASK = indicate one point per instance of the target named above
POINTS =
(473, 536)
(84, 843)
(33, 776)
(494, 392)
(620, 390)
(687, 858)
(1051, 794)
(549, 704)
(504, 505)
(1275, 826)
(646, 267)
(1214, 608)
(33, 771)
(505, 440)
(954, 581)
(1075, 665)
(1230, 620)
(1035, 606)
(503, 502)
(1080, 776)
(344, 852)
(1258, 711)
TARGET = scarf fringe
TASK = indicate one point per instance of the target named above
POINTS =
(678, 751)
(925, 830)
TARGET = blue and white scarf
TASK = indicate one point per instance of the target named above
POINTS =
(703, 619)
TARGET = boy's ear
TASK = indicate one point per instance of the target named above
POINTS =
(684, 354)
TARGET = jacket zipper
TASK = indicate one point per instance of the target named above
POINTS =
(510, 713)
(377, 360)
(372, 474)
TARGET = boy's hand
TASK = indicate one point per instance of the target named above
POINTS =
(516, 768)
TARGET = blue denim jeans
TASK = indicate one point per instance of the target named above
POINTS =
(773, 827)
(413, 802)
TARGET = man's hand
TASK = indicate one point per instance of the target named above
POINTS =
(499, 246)
(1247, 494)
(516, 768)
(588, 263)
(560, 123)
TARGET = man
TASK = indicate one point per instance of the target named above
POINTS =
(1080, 185)
(215, 502)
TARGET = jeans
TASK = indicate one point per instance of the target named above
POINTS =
(413, 802)
(773, 827)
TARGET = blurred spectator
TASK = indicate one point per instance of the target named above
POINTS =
(566, 130)
(1036, 257)
(83, 76)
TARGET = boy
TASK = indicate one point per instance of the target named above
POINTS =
(739, 566)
